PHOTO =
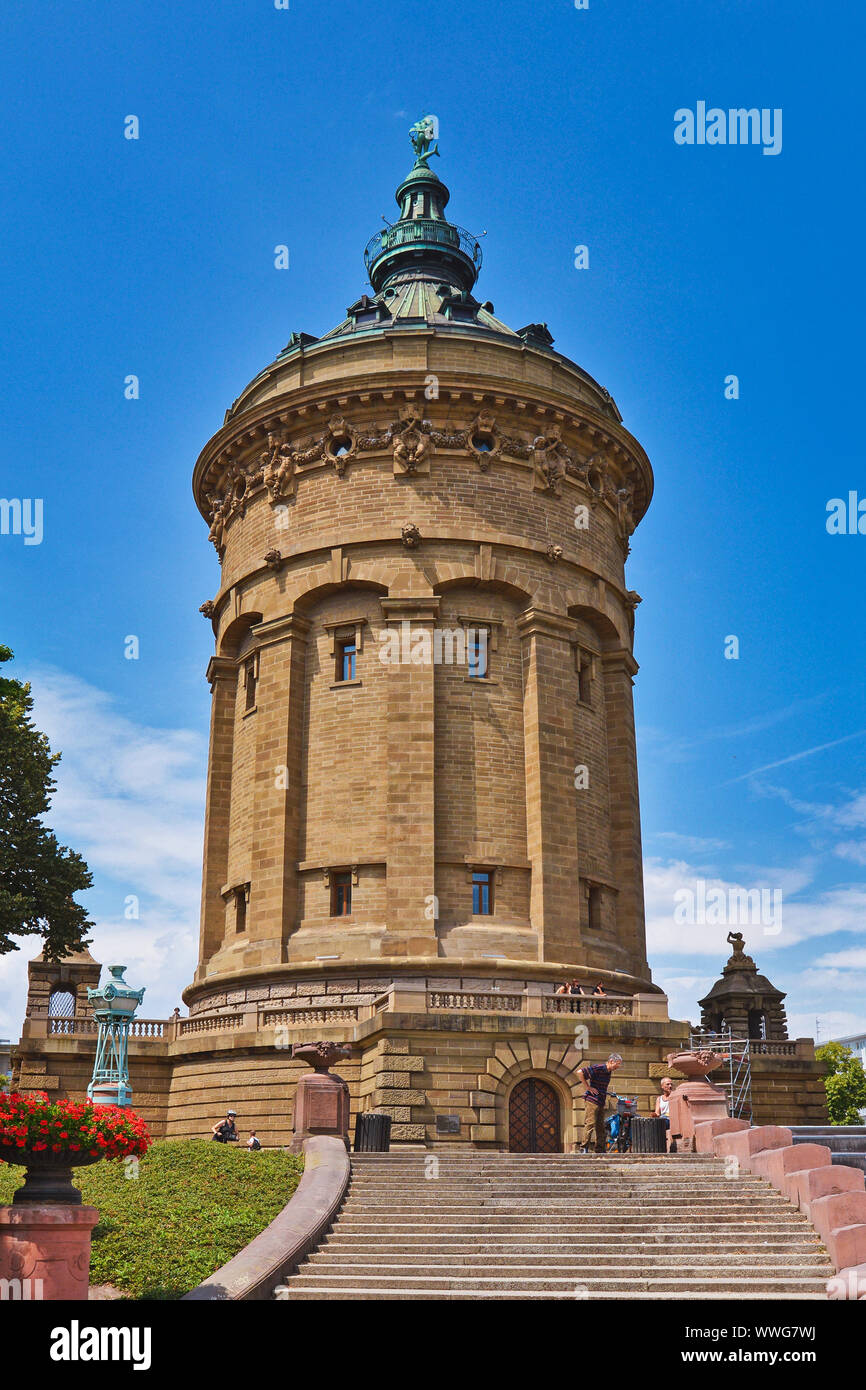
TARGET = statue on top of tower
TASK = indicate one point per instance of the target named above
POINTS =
(424, 136)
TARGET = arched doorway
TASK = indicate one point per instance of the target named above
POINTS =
(533, 1118)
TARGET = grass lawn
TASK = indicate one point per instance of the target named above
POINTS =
(193, 1205)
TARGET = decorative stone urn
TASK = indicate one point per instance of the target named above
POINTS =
(694, 1100)
(48, 1176)
(321, 1100)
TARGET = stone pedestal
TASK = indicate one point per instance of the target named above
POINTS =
(322, 1100)
(45, 1251)
(695, 1101)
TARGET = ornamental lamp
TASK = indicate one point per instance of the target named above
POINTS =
(114, 1006)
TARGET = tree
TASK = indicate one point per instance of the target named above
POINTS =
(38, 876)
(845, 1083)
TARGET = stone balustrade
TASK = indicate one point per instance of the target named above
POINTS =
(492, 1001)
(210, 1023)
(303, 1016)
(586, 1004)
(418, 997)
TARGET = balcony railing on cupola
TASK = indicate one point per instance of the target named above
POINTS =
(408, 242)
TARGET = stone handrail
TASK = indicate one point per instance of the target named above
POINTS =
(210, 1023)
(299, 1017)
(475, 999)
(257, 1270)
(67, 1027)
(77, 1026)
(586, 1004)
(774, 1049)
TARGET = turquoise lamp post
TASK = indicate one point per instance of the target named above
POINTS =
(114, 1005)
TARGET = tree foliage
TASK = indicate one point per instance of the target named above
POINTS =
(38, 876)
(845, 1083)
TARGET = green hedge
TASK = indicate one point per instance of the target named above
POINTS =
(193, 1205)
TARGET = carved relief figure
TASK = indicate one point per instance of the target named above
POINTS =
(278, 468)
(412, 448)
(549, 460)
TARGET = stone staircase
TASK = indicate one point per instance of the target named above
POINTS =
(847, 1143)
(493, 1225)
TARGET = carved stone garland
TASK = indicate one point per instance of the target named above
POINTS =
(412, 439)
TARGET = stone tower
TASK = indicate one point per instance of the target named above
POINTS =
(422, 754)
(422, 801)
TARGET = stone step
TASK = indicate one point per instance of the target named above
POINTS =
(740, 1293)
(810, 1130)
(553, 1247)
(570, 1163)
(562, 1263)
(611, 1232)
(388, 1280)
(470, 1192)
(850, 1160)
(432, 1194)
(562, 1226)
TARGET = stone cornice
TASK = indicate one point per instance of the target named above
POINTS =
(307, 410)
(302, 552)
(279, 629)
(623, 658)
(540, 622)
(219, 667)
(418, 607)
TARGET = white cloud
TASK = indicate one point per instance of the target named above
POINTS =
(852, 959)
(131, 799)
(692, 844)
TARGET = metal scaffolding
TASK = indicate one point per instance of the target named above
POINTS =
(738, 1075)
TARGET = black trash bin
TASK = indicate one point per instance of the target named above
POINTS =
(372, 1133)
(648, 1135)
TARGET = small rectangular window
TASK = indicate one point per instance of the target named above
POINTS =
(482, 894)
(476, 652)
(240, 909)
(341, 895)
(347, 651)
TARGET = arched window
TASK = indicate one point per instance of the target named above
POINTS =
(61, 1004)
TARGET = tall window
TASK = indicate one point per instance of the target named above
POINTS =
(250, 680)
(594, 908)
(341, 895)
(476, 652)
(347, 652)
(584, 676)
(61, 1004)
(482, 893)
(240, 909)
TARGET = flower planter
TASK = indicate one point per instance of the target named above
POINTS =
(45, 1233)
(48, 1178)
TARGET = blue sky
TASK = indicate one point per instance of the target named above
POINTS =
(155, 258)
